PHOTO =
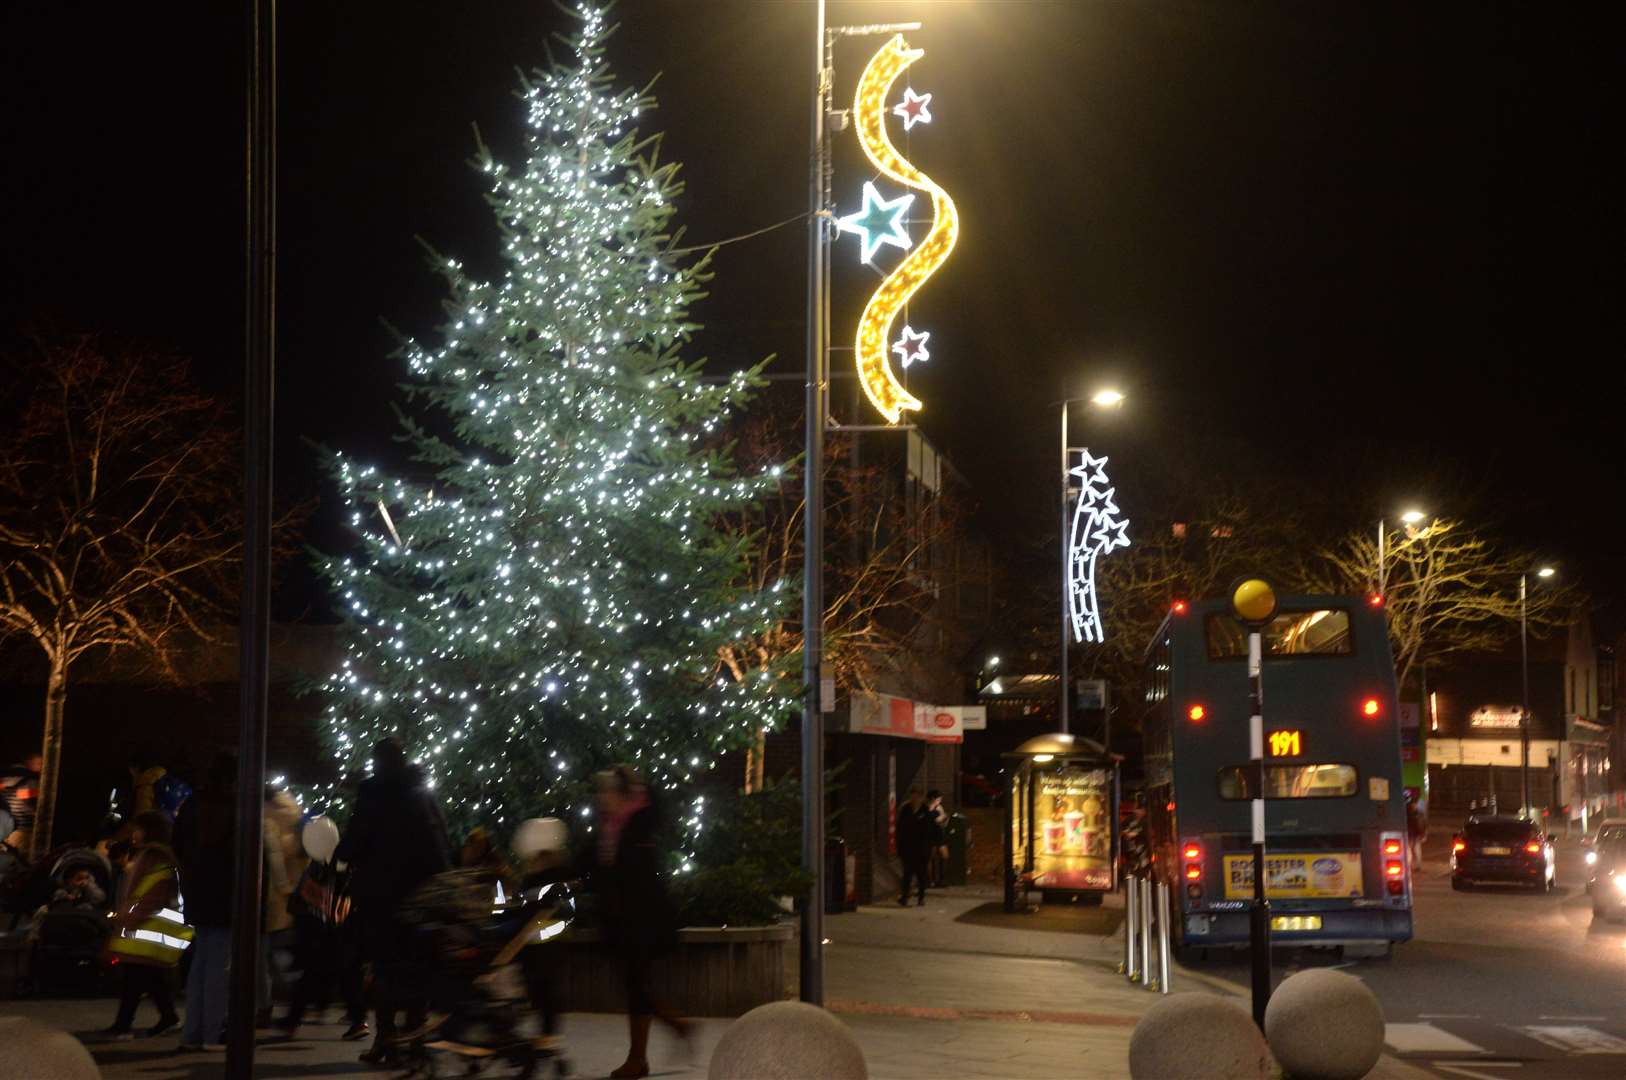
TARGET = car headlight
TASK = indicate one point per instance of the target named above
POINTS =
(1620, 882)
(1592, 858)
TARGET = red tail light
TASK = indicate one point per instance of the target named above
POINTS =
(1533, 847)
(1179, 607)
(1369, 707)
(1197, 712)
(1458, 845)
(1394, 868)
(1391, 847)
(1194, 872)
(1376, 600)
(1192, 851)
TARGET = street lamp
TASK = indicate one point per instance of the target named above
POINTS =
(1542, 572)
(1108, 398)
(1408, 518)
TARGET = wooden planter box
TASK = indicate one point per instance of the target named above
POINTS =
(713, 971)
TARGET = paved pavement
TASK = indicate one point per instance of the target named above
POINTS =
(1497, 982)
(926, 994)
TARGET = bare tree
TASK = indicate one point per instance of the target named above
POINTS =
(887, 562)
(1448, 590)
(120, 521)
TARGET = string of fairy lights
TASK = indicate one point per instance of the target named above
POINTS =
(551, 591)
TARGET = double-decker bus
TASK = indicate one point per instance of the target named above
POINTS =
(1335, 813)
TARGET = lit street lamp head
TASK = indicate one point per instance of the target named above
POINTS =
(1108, 398)
(1412, 517)
(1546, 572)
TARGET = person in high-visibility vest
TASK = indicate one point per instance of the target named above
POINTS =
(149, 931)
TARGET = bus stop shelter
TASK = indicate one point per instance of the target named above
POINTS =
(1061, 833)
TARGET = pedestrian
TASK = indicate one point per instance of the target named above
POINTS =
(144, 778)
(20, 787)
(325, 951)
(205, 839)
(396, 840)
(914, 844)
(284, 862)
(148, 934)
(542, 886)
(1416, 831)
(479, 852)
(937, 837)
(639, 918)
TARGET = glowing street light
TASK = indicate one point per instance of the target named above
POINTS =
(1108, 398)
(1412, 517)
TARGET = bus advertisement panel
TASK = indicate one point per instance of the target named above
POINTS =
(1296, 876)
(1074, 833)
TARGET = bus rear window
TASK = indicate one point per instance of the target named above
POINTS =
(1324, 632)
(1291, 782)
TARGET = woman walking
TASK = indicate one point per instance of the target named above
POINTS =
(639, 918)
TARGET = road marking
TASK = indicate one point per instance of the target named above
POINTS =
(1459, 1016)
(1470, 1072)
(1427, 1039)
(1577, 1040)
(1577, 1019)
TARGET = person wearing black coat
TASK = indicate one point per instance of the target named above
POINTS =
(206, 844)
(639, 918)
(395, 841)
(914, 844)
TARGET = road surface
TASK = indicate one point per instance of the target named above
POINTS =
(1496, 983)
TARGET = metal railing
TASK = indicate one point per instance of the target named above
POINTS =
(1146, 916)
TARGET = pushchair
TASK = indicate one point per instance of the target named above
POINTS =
(462, 958)
(68, 942)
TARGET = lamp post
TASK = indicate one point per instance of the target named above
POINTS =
(1524, 705)
(1409, 518)
(1107, 399)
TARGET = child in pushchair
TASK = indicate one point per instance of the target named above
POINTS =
(70, 929)
(462, 960)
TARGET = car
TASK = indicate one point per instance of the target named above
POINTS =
(1503, 849)
(1609, 829)
(1609, 877)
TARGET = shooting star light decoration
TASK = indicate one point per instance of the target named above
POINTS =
(875, 325)
(1097, 529)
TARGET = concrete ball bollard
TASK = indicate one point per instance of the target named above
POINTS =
(787, 1040)
(1196, 1036)
(43, 1053)
(1324, 1025)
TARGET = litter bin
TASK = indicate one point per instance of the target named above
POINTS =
(958, 836)
(836, 885)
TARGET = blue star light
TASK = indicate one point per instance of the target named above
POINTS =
(879, 222)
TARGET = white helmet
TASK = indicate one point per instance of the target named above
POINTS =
(537, 835)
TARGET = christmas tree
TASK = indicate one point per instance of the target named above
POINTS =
(549, 590)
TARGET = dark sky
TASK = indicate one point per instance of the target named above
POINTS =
(1367, 245)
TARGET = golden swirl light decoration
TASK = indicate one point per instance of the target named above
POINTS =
(875, 327)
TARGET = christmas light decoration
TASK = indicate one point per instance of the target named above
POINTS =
(911, 347)
(1097, 529)
(875, 325)
(547, 592)
(881, 221)
(913, 109)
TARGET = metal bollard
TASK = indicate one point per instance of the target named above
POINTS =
(1163, 931)
(1131, 919)
(1146, 932)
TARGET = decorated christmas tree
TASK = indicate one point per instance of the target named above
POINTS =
(547, 588)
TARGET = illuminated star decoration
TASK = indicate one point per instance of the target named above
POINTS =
(911, 348)
(881, 221)
(913, 109)
(1097, 529)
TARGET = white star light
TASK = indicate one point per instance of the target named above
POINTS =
(881, 221)
(1097, 529)
(914, 108)
(911, 348)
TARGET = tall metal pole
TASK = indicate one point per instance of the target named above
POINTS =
(1524, 707)
(1260, 928)
(1382, 570)
(812, 942)
(259, 348)
(1066, 626)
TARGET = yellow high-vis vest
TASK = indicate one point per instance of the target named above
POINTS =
(161, 937)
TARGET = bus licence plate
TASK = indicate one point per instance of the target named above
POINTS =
(1498, 851)
(1295, 922)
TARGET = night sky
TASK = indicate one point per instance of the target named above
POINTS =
(1367, 249)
